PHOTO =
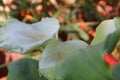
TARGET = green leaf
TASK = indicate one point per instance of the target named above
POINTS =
(116, 72)
(60, 61)
(81, 33)
(24, 69)
(16, 36)
(55, 52)
(117, 22)
(111, 41)
(85, 64)
(103, 30)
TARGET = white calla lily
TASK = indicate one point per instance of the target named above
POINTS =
(20, 37)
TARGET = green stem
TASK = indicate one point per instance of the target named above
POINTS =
(3, 65)
(5, 13)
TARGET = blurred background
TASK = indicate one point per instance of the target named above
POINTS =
(78, 18)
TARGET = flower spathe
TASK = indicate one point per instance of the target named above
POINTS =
(16, 36)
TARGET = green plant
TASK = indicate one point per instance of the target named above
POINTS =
(70, 60)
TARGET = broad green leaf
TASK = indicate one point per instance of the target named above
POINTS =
(103, 30)
(82, 64)
(116, 72)
(60, 61)
(24, 69)
(17, 36)
(111, 41)
(86, 64)
(55, 52)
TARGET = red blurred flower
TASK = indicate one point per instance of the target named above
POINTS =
(110, 60)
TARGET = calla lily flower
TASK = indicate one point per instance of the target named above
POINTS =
(16, 36)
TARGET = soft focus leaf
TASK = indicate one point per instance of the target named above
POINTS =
(105, 28)
(111, 41)
(111, 35)
(60, 61)
(24, 69)
(117, 22)
(56, 52)
(85, 64)
(16, 36)
(81, 33)
(102, 31)
(116, 72)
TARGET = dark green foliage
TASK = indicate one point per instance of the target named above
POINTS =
(24, 69)
(111, 41)
(116, 72)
